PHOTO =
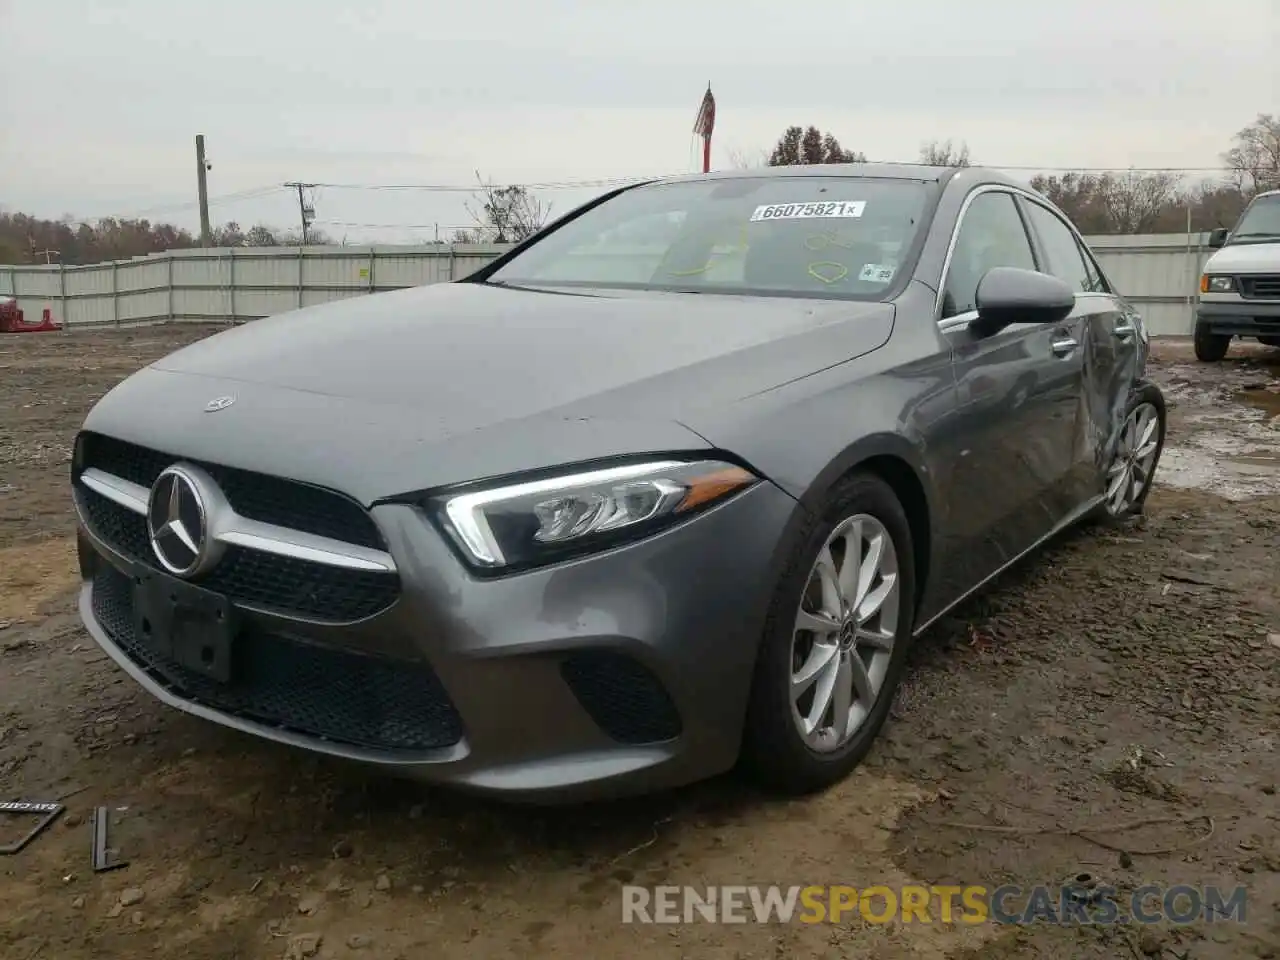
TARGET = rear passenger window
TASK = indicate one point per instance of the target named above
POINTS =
(1098, 283)
(1066, 262)
(991, 235)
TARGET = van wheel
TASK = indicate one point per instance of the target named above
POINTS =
(1210, 347)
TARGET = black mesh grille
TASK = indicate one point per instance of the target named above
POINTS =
(340, 696)
(1260, 287)
(287, 503)
(622, 696)
(250, 578)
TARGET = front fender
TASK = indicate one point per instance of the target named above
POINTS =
(806, 435)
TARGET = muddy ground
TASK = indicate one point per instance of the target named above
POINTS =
(1125, 675)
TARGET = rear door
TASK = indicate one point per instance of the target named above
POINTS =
(1018, 391)
(1111, 348)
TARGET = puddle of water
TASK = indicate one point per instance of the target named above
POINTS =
(1191, 469)
(1225, 435)
(1261, 398)
(1261, 463)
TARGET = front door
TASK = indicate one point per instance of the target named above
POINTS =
(1112, 346)
(1019, 393)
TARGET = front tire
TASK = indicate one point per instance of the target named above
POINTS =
(1136, 455)
(1210, 347)
(835, 641)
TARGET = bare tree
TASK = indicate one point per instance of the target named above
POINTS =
(742, 160)
(941, 153)
(1215, 204)
(1135, 202)
(260, 236)
(1075, 194)
(799, 146)
(506, 214)
(1254, 160)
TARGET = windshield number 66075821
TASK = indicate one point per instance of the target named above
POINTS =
(804, 211)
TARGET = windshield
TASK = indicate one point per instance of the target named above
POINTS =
(804, 236)
(1260, 221)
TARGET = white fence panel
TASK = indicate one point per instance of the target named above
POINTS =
(1158, 272)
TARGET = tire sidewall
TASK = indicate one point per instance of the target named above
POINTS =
(1143, 393)
(1210, 347)
(774, 745)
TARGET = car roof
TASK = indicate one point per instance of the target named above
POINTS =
(885, 171)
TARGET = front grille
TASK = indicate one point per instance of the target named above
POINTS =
(258, 496)
(622, 696)
(249, 578)
(1260, 286)
(340, 696)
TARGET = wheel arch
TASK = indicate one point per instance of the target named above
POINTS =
(894, 460)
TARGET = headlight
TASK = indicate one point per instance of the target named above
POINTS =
(541, 521)
(1210, 284)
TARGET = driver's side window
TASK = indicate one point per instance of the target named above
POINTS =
(991, 235)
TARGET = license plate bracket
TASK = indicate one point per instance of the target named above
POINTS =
(194, 627)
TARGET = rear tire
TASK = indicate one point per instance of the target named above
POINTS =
(1131, 460)
(863, 510)
(1210, 347)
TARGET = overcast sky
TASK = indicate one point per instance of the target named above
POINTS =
(100, 100)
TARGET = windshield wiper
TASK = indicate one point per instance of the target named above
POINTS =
(1264, 235)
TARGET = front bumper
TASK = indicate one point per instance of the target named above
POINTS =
(1244, 318)
(623, 672)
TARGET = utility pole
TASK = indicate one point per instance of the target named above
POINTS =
(306, 211)
(202, 168)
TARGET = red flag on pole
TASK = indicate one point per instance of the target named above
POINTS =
(706, 121)
(704, 125)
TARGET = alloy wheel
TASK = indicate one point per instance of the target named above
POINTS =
(844, 632)
(1131, 467)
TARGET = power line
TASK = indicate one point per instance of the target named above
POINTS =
(476, 188)
(253, 193)
(622, 181)
(998, 166)
(250, 194)
(395, 226)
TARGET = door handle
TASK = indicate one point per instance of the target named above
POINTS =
(1124, 329)
(1064, 346)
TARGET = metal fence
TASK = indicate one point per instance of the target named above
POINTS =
(1158, 272)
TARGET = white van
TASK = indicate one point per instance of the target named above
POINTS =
(1240, 287)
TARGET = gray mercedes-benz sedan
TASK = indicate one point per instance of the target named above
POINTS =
(672, 484)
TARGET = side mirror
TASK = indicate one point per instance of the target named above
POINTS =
(1218, 238)
(1012, 295)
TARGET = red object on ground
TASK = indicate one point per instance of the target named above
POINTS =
(11, 319)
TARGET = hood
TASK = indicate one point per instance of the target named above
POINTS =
(467, 354)
(453, 382)
(1245, 258)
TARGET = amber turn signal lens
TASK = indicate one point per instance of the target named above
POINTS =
(713, 486)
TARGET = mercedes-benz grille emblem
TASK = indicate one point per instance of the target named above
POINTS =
(218, 403)
(178, 521)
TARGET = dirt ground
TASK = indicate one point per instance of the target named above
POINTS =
(1125, 675)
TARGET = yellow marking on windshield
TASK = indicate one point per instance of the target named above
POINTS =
(841, 271)
(734, 245)
(820, 241)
